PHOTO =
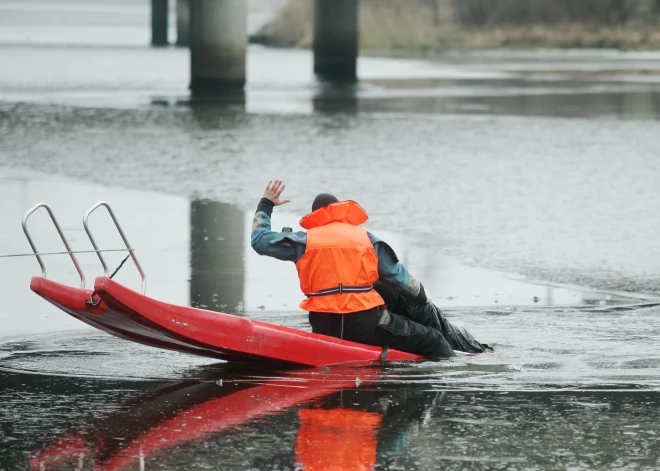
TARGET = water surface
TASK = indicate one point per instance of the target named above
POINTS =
(520, 188)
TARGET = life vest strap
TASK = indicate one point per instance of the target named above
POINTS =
(341, 289)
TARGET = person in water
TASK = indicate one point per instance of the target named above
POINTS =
(356, 288)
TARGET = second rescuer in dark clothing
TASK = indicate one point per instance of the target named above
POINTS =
(343, 271)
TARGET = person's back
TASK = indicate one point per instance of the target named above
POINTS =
(340, 266)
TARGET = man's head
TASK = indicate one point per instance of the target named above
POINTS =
(323, 200)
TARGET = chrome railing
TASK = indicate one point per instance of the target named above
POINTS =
(59, 230)
(123, 236)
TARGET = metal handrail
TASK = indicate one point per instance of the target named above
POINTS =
(59, 230)
(123, 236)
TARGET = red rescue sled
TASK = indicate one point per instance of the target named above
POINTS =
(133, 316)
(127, 314)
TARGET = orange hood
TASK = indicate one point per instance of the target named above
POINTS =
(348, 212)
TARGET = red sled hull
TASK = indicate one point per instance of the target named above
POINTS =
(138, 318)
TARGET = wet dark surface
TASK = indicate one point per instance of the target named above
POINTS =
(541, 165)
(320, 420)
(566, 388)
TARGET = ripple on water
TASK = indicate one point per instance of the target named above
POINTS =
(554, 350)
(85, 354)
(91, 354)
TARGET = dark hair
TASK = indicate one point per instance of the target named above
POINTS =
(323, 200)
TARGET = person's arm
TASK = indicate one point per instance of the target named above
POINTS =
(395, 276)
(280, 245)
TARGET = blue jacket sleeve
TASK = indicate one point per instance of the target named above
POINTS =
(287, 246)
(394, 275)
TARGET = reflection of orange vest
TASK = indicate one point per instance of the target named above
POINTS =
(340, 265)
(337, 439)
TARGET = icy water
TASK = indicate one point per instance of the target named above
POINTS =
(520, 188)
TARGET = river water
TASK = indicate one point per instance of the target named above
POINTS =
(519, 187)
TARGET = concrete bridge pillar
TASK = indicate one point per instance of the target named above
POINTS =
(182, 22)
(159, 13)
(218, 42)
(336, 40)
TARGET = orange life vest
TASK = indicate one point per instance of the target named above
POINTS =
(340, 265)
(337, 439)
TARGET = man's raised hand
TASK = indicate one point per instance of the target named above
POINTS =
(273, 191)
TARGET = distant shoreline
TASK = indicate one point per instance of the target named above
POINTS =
(627, 38)
(416, 30)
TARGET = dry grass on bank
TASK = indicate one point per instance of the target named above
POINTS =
(628, 37)
(395, 26)
(293, 27)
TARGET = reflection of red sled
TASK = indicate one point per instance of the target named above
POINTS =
(184, 412)
(124, 313)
